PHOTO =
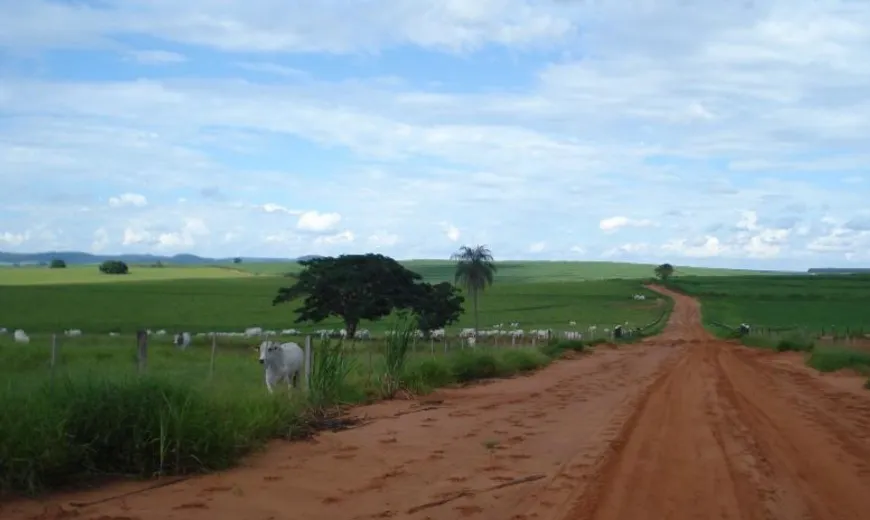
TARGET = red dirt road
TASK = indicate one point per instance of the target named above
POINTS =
(681, 426)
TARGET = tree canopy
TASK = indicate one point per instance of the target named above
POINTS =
(664, 271)
(438, 305)
(354, 288)
(57, 263)
(475, 270)
(114, 267)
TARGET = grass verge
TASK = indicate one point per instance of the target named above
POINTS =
(831, 359)
(87, 423)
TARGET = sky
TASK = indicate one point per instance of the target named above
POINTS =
(702, 132)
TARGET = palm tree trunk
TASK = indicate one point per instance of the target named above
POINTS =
(476, 320)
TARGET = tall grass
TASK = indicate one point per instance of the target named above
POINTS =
(831, 359)
(396, 347)
(330, 367)
(90, 424)
(108, 421)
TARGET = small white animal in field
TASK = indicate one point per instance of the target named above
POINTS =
(182, 340)
(281, 361)
(20, 336)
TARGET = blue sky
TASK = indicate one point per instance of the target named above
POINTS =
(710, 134)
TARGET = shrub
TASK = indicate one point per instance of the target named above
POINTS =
(556, 348)
(830, 359)
(114, 267)
(795, 343)
(468, 365)
(57, 263)
(517, 361)
(428, 374)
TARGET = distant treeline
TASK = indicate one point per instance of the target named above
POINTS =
(839, 270)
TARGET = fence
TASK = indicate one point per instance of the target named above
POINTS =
(82, 350)
(846, 334)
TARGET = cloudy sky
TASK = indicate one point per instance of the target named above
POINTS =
(705, 132)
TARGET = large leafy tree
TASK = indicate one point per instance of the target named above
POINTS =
(352, 287)
(437, 306)
(664, 271)
(475, 270)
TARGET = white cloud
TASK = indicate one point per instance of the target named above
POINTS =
(100, 240)
(128, 199)
(537, 247)
(157, 57)
(318, 222)
(175, 241)
(451, 232)
(343, 237)
(270, 207)
(383, 239)
(13, 239)
(707, 247)
(615, 223)
(673, 120)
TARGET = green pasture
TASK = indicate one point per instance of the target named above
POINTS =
(234, 304)
(522, 271)
(90, 274)
(814, 304)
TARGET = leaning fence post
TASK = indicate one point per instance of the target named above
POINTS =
(53, 356)
(141, 350)
(213, 353)
(307, 362)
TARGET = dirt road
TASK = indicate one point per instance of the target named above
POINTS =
(679, 427)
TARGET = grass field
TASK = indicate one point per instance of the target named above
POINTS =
(90, 274)
(236, 304)
(815, 304)
(523, 272)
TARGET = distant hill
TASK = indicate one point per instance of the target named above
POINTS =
(81, 258)
(839, 270)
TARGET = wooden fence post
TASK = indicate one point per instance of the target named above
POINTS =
(142, 350)
(307, 362)
(53, 356)
(213, 354)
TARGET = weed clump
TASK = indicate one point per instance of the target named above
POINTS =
(86, 426)
(795, 343)
(831, 359)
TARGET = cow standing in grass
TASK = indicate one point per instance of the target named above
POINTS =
(281, 361)
(182, 340)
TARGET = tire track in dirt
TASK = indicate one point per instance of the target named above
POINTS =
(727, 434)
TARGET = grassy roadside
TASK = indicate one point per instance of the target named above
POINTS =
(98, 420)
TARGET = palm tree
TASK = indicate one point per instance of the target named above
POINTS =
(475, 269)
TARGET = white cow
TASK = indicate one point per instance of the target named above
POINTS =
(20, 336)
(182, 340)
(281, 361)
